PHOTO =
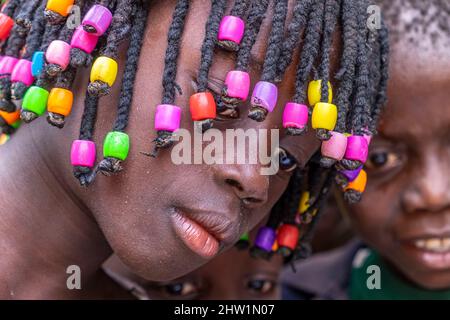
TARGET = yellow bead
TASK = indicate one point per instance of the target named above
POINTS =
(314, 92)
(60, 6)
(104, 69)
(303, 205)
(324, 116)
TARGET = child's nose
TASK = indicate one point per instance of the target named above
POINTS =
(245, 181)
(430, 190)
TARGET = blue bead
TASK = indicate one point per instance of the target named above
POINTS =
(38, 63)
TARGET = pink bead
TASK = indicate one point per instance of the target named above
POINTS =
(22, 72)
(84, 40)
(167, 117)
(58, 52)
(335, 147)
(357, 148)
(83, 153)
(295, 115)
(238, 84)
(231, 29)
(98, 17)
(7, 64)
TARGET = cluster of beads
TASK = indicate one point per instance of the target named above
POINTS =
(268, 241)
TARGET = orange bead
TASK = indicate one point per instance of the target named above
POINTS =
(6, 24)
(202, 106)
(60, 6)
(359, 184)
(60, 101)
(10, 117)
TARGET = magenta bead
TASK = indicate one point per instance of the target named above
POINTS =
(231, 29)
(238, 84)
(357, 148)
(335, 147)
(295, 115)
(84, 40)
(167, 117)
(58, 52)
(7, 64)
(351, 175)
(98, 17)
(83, 153)
(22, 72)
(265, 94)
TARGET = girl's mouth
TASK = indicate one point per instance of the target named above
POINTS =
(204, 234)
(431, 252)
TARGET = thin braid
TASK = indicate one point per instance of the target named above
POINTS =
(301, 11)
(25, 17)
(346, 74)
(255, 18)
(310, 50)
(211, 28)
(275, 41)
(11, 7)
(35, 36)
(330, 19)
(239, 8)
(173, 51)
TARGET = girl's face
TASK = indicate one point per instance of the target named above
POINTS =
(405, 212)
(165, 220)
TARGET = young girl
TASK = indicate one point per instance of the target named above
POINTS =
(404, 218)
(165, 220)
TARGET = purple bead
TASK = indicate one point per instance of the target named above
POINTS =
(167, 117)
(357, 149)
(84, 40)
(265, 94)
(231, 29)
(238, 84)
(351, 175)
(265, 238)
(98, 17)
(295, 115)
(7, 64)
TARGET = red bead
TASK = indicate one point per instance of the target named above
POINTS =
(288, 236)
(6, 24)
(202, 106)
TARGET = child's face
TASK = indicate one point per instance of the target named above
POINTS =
(137, 210)
(234, 275)
(405, 212)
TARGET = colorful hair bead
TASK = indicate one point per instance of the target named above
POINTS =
(58, 56)
(103, 75)
(237, 87)
(243, 242)
(203, 108)
(333, 149)
(315, 92)
(355, 189)
(7, 64)
(34, 103)
(57, 10)
(265, 239)
(116, 145)
(83, 153)
(343, 177)
(295, 118)
(22, 72)
(264, 99)
(167, 117)
(231, 32)
(59, 105)
(6, 24)
(356, 152)
(37, 63)
(324, 118)
(9, 121)
(84, 40)
(97, 20)
(303, 205)
(4, 138)
(287, 239)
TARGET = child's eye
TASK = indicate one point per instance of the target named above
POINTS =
(287, 162)
(181, 289)
(260, 286)
(382, 160)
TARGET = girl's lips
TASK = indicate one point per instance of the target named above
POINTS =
(195, 236)
(430, 257)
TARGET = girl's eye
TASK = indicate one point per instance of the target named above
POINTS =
(382, 160)
(287, 162)
(260, 286)
(181, 289)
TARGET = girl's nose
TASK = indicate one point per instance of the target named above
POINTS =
(430, 190)
(245, 181)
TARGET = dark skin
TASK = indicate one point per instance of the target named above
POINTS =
(49, 222)
(405, 212)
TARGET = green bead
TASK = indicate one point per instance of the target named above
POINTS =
(35, 100)
(16, 124)
(244, 237)
(116, 145)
